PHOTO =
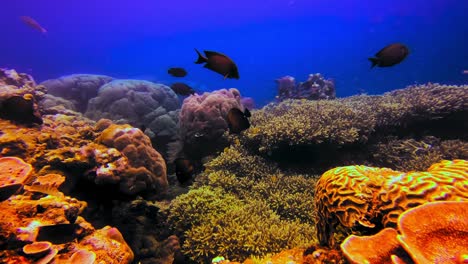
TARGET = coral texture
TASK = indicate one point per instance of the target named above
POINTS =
(203, 121)
(315, 88)
(434, 232)
(31, 217)
(367, 198)
(139, 103)
(147, 167)
(77, 88)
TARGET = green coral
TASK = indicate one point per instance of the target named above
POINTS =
(351, 120)
(250, 229)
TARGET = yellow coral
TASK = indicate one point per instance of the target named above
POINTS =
(365, 197)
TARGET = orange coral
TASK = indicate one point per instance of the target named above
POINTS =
(378, 248)
(13, 173)
(360, 197)
(436, 232)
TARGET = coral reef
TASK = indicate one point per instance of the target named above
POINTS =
(138, 103)
(19, 97)
(366, 199)
(431, 233)
(355, 130)
(203, 122)
(77, 88)
(31, 217)
(315, 88)
(248, 102)
(147, 170)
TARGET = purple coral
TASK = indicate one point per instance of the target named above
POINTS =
(315, 88)
(203, 121)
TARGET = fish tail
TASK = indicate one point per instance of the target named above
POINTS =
(374, 61)
(201, 59)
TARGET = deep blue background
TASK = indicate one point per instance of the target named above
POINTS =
(267, 39)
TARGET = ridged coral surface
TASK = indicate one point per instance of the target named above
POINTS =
(367, 198)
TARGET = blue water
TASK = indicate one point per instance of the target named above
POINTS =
(267, 39)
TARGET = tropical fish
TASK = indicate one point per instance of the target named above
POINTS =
(177, 72)
(184, 170)
(390, 55)
(182, 89)
(219, 63)
(237, 120)
(33, 24)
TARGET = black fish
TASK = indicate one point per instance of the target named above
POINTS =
(182, 89)
(219, 63)
(237, 120)
(177, 72)
(184, 169)
(58, 234)
(390, 55)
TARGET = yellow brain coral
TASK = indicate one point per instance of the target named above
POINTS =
(366, 198)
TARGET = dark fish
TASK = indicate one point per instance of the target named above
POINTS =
(182, 89)
(58, 234)
(20, 109)
(237, 120)
(219, 63)
(390, 55)
(177, 72)
(33, 24)
(184, 170)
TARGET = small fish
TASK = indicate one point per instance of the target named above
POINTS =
(390, 55)
(33, 24)
(184, 170)
(219, 63)
(177, 72)
(237, 120)
(182, 89)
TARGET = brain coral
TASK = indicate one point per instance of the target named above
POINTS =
(366, 198)
(147, 167)
(139, 103)
(203, 121)
(78, 88)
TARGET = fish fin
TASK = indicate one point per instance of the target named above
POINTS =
(374, 61)
(201, 59)
(213, 53)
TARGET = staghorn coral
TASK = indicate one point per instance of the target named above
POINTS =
(147, 167)
(250, 229)
(77, 88)
(366, 198)
(432, 108)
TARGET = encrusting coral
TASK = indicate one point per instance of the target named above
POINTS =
(434, 232)
(367, 199)
(31, 217)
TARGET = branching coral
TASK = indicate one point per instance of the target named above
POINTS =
(366, 198)
(251, 229)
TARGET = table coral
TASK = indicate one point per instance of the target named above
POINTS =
(358, 120)
(367, 198)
